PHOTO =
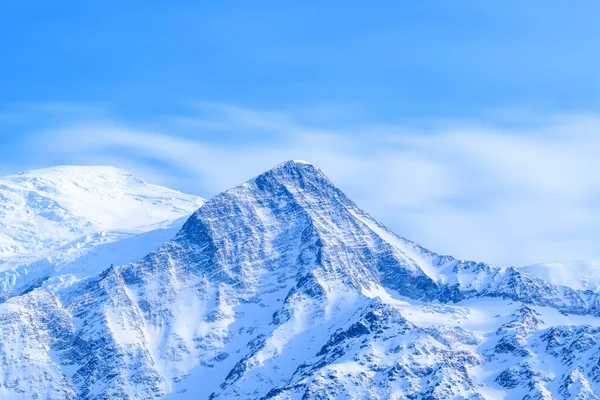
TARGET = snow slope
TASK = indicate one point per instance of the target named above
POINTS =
(79, 220)
(581, 275)
(44, 209)
(282, 288)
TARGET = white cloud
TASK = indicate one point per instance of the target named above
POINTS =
(518, 194)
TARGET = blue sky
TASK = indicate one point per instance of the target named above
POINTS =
(468, 126)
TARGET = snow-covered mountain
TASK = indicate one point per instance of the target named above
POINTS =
(70, 222)
(283, 288)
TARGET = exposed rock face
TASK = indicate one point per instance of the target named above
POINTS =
(282, 288)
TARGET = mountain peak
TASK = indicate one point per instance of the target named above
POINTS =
(298, 167)
(295, 162)
(292, 173)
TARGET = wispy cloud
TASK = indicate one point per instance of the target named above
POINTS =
(510, 193)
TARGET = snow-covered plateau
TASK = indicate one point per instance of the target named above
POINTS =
(280, 288)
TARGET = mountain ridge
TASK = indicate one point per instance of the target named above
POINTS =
(283, 288)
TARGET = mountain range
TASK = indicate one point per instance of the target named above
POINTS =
(279, 288)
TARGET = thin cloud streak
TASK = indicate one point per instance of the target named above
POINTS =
(520, 194)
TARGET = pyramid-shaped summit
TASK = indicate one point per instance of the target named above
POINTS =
(292, 218)
(294, 173)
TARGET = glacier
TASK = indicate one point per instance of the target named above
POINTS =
(65, 223)
(279, 288)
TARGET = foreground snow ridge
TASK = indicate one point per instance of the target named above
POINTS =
(282, 288)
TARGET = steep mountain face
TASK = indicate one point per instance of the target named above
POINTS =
(66, 223)
(282, 288)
